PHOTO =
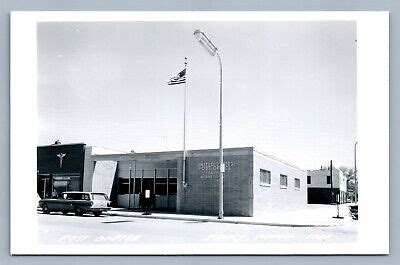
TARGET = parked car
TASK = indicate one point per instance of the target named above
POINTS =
(77, 202)
(354, 211)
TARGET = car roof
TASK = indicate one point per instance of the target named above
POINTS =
(82, 192)
(76, 192)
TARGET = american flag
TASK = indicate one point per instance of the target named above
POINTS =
(179, 78)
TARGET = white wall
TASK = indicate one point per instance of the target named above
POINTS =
(274, 198)
(103, 176)
(318, 179)
(88, 169)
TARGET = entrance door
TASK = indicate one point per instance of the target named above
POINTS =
(148, 184)
(44, 186)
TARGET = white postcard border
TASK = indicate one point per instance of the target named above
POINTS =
(372, 128)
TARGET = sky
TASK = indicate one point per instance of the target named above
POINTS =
(289, 87)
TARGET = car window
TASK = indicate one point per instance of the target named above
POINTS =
(81, 196)
(74, 196)
(67, 196)
(101, 197)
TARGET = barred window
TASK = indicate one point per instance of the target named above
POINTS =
(265, 177)
(284, 181)
(297, 183)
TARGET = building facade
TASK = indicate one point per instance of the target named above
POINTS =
(322, 189)
(60, 168)
(255, 184)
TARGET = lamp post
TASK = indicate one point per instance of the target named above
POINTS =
(213, 50)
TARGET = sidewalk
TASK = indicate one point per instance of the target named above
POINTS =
(311, 216)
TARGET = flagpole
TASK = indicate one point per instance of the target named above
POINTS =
(184, 130)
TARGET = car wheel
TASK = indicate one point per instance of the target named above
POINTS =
(78, 211)
(46, 209)
(64, 212)
(97, 214)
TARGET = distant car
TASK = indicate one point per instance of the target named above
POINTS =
(77, 202)
(354, 211)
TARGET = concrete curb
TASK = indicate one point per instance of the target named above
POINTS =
(182, 218)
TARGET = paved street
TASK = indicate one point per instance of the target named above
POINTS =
(70, 229)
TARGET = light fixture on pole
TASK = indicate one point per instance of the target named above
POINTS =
(213, 50)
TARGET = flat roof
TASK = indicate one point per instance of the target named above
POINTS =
(179, 153)
(195, 152)
(48, 145)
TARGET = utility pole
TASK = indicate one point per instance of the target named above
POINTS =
(129, 186)
(332, 194)
(334, 200)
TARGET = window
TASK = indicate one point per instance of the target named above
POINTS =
(138, 185)
(76, 196)
(123, 186)
(308, 179)
(297, 183)
(161, 186)
(328, 179)
(172, 186)
(283, 181)
(98, 196)
(265, 177)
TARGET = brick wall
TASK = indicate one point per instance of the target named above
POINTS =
(202, 175)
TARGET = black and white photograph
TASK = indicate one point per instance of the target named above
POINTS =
(188, 133)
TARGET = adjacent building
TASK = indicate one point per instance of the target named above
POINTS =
(61, 167)
(255, 183)
(324, 189)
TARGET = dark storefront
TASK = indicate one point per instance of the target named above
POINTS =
(323, 195)
(59, 168)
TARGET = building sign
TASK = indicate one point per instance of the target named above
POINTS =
(61, 157)
(210, 170)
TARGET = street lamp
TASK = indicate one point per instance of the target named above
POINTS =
(213, 50)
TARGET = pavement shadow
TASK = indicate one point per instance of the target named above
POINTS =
(72, 214)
